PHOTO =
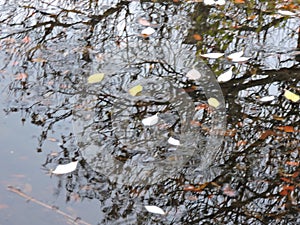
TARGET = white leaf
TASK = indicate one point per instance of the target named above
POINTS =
(224, 77)
(154, 209)
(241, 59)
(150, 121)
(286, 13)
(236, 55)
(148, 31)
(173, 141)
(213, 55)
(66, 168)
(213, 102)
(267, 98)
(214, 2)
(193, 74)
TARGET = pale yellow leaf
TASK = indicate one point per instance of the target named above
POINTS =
(291, 96)
(213, 102)
(135, 90)
(95, 78)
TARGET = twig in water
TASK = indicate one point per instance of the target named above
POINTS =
(29, 198)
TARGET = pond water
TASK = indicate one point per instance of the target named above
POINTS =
(149, 101)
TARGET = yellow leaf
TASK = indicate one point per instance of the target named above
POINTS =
(135, 90)
(291, 96)
(213, 102)
(95, 78)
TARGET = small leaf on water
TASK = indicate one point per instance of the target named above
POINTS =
(213, 55)
(173, 141)
(150, 121)
(154, 209)
(148, 31)
(291, 96)
(241, 59)
(144, 22)
(286, 13)
(213, 102)
(95, 78)
(66, 168)
(135, 90)
(267, 98)
(236, 55)
(226, 76)
(193, 74)
(214, 2)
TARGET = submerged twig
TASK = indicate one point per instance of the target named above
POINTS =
(32, 199)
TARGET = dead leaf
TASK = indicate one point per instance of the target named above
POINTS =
(288, 129)
(21, 76)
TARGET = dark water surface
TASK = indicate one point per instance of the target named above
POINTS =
(239, 153)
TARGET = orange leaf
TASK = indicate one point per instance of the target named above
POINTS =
(296, 174)
(197, 37)
(26, 39)
(286, 180)
(288, 129)
(286, 189)
(291, 163)
(239, 1)
(266, 134)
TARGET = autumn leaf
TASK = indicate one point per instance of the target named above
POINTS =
(197, 37)
(95, 78)
(173, 141)
(292, 163)
(291, 96)
(135, 90)
(288, 129)
(226, 76)
(286, 189)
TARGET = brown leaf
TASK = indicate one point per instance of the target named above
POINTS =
(288, 129)
(266, 134)
(292, 163)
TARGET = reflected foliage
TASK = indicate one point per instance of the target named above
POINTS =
(57, 44)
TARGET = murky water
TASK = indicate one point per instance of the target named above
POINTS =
(238, 158)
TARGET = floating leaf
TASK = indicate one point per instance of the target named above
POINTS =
(148, 31)
(95, 78)
(154, 209)
(267, 98)
(213, 55)
(224, 77)
(286, 13)
(39, 60)
(288, 129)
(150, 121)
(66, 168)
(135, 90)
(173, 141)
(213, 102)
(21, 76)
(241, 59)
(144, 22)
(214, 2)
(193, 74)
(236, 55)
(291, 96)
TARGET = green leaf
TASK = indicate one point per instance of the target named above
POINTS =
(135, 90)
(95, 78)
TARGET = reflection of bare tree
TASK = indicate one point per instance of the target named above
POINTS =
(54, 45)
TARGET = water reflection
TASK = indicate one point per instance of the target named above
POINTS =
(49, 49)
